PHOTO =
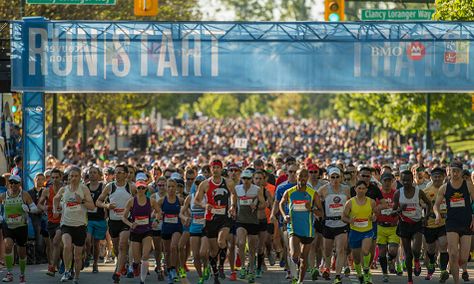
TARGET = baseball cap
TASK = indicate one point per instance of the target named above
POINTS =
(175, 176)
(14, 178)
(404, 168)
(313, 167)
(141, 176)
(246, 174)
(334, 170)
(233, 166)
(290, 159)
(141, 183)
(387, 176)
(438, 170)
(456, 164)
(200, 178)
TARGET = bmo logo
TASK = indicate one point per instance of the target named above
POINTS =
(414, 50)
(386, 51)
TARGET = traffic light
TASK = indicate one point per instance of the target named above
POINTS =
(334, 10)
(145, 7)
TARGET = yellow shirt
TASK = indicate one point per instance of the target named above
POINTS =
(362, 215)
(431, 193)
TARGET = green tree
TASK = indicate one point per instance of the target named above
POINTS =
(454, 10)
(217, 105)
(255, 103)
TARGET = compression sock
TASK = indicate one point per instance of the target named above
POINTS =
(367, 262)
(260, 259)
(383, 263)
(144, 270)
(9, 261)
(22, 262)
(213, 262)
(443, 260)
(358, 269)
(222, 256)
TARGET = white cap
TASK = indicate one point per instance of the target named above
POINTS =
(15, 178)
(141, 176)
(246, 174)
(175, 176)
(334, 170)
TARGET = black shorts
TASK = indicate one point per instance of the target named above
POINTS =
(432, 234)
(303, 240)
(78, 234)
(271, 228)
(262, 225)
(330, 233)
(213, 227)
(408, 230)
(460, 231)
(134, 237)
(252, 229)
(168, 237)
(52, 229)
(319, 225)
(116, 227)
(156, 233)
(200, 235)
(18, 235)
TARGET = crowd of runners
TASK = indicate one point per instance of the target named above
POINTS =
(327, 219)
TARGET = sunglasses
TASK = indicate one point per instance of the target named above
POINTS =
(246, 178)
(334, 177)
(141, 187)
(14, 182)
(347, 179)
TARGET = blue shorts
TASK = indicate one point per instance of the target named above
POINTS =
(356, 238)
(97, 229)
(374, 228)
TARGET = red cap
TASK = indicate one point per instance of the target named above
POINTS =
(313, 167)
(141, 183)
(308, 161)
(216, 163)
(233, 166)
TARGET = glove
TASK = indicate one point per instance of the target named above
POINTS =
(25, 208)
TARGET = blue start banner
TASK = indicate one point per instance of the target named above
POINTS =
(50, 56)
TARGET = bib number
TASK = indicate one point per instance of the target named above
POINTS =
(73, 206)
(119, 212)
(218, 211)
(457, 202)
(245, 201)
(199, 220)
(336, 209)
(386, 211)
(93, 210)
(409, 212)
(171, 219)
(142, 220)
(361, 223)
(299, 205)
(442, 206)
(15, 219)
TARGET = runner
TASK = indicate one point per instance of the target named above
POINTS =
(335, 230)
(359, 212)
(53, 227)
(159, 192)
(96, 226)
(263, 235)
(250, 199)
(140, 209)
(221, 200)
(387, 239)
(169, 208)
(16, 206)
(302, 202)
(406, 203)
(435, 234)
(458, 195)
(73, 201)
(118, 193)
(195, 215)
(233, 258)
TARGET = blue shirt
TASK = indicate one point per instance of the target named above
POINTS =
(301, 219)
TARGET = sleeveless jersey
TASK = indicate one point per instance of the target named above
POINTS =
(301, 219)
(431, 193)
(384, 216)
(411, 208)
(333, 208)
(198, 219)
(13, 213)
(119, 196)
(171, 220)
(362, 215)
(218, 196)
(458, 203)
(51, 218)
(74, 214)
(245, 199)
(141, 215)
(97, 213)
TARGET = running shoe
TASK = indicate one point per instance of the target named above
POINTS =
(314, 274)
(233, 276)
(136, 269)
(347, 271)
(443, 276)
(87, 262)
(417, 269)
(271, 258)
(367, 278)
(216, 280)
(201, 280)
(361, 279)
(430, 271)
(326, 274)
(51, 271)
(130, 274)
(206, 273)
(242, 273)
(61, 268)
(66, 276)
(221, 272)
(182, 272)
(288, 275)
(170, 279)
(465, 276)
(174, 275)
(399, 269)
(385, 278)
(337, 280)
(115, 277)
(251, 278)
(258, 273)
(391, 267)
(294, 281)
(75, 281)
(71, 274)
(282, 262)
(95, 268)
(22, 279)
(8, 277)
(238, 261)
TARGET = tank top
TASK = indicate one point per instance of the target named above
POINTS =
(51, 196)
(412, 211)
(141, 215)
(159, 223)
(218, 196)
(198, 220)
(458, 203)
(362, 215)
(120, 197)
(334, 207)
(74, 214)
(245, 199)
(171, 220)
(301, 219)
(385, 214)
(13, 213)
(431, 192)
(97, 213)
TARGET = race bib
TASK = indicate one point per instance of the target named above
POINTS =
(199, 220)
(142, 220)
(386, 211)
(73, 206)
(361, 223)
(409, 212)
(119, 211)
(171, 219)
(336, 209)
(457, 202)
(299, 205)
(245, 201)
(218, 210)
(15, 219)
